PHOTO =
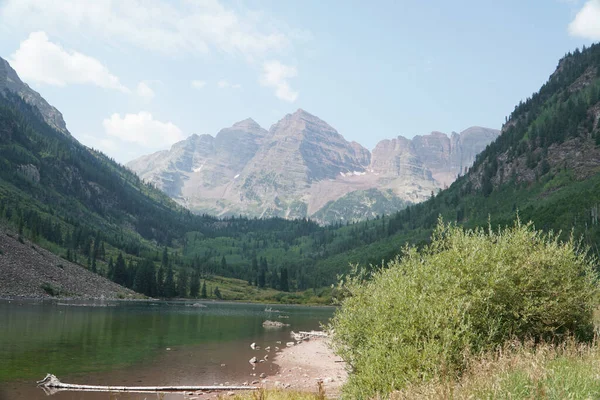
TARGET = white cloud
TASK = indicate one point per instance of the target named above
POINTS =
(587, 21)
(143, 130)
(196, 84)
(105, 145)
(156, 25)
(39, 60)
(144, 91)
(225, 84)
(276, 75)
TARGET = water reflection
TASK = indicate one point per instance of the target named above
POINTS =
(128, 343)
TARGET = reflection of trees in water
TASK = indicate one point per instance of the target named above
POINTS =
(36, 339)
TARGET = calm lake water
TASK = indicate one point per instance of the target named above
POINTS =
(125, 343)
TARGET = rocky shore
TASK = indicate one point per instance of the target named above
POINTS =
(303, 365)
(27, 270)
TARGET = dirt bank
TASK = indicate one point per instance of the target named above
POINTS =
(26, 268)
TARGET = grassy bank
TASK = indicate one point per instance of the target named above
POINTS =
(423, 318)
(521, 371)
(275, 394)
(239, 290)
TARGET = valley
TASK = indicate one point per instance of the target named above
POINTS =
(458, 265)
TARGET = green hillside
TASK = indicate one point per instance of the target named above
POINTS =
(544, 167)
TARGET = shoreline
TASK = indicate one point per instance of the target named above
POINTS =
(151, 299)
(302, 366)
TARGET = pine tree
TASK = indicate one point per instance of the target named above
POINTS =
(203, 293)
(262, 273)
(283, 281)
(120, 275)
(195, 283)
(160, 282)
(110, 274)
(145, 278)
(182, 283)
(170, 290)
(218, 293)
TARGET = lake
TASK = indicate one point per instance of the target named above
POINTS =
(143, 343)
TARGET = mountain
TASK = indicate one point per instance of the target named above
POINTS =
(302, 167)
(543, 168)
(72, 199)
(101, 221)
(76, 201)
(11, 83)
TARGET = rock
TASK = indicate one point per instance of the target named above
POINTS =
(290, 344)
(274, 324)
(255, 382)
(253, 346)
(268, 348)
(30, 171)
(223, 365)
(266, 357)
(168, 349)
(262, 375)
(252, 360)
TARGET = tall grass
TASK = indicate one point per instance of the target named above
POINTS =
(569, 370)
(276, 394)
(426, 314)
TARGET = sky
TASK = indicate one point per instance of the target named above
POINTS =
(132, 77)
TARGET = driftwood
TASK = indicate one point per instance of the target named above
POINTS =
(302, 335)
(314, 333)
(51, 385)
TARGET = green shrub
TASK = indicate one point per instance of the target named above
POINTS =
(465, 293)
(50, 289)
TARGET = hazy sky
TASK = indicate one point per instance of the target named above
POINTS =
(134, 76)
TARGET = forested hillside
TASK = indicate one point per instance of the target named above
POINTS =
(544, 167)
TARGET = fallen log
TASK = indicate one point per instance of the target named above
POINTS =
(314, 333)
(51, 385)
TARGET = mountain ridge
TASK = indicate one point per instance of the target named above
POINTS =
(10, 82)
(302, 164)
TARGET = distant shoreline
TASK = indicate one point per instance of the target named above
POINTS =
(150, 300)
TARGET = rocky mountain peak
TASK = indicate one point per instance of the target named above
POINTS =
(248, 125)
(10, 82)
(301, 164)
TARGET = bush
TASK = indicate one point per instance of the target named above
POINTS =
(51, 289)
(467, 292)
